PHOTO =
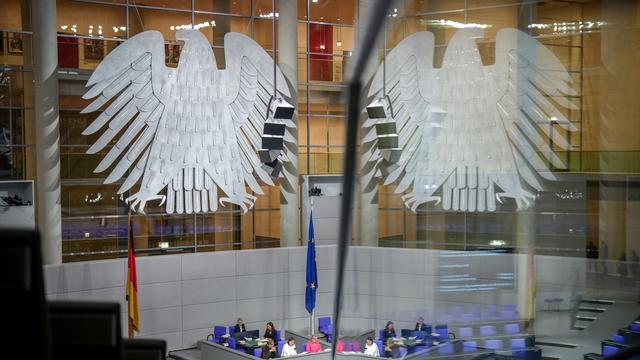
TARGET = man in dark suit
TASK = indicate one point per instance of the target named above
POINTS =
(420, 325)
(239, 326)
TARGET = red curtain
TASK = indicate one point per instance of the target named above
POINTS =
(321, 41)
(67, 52)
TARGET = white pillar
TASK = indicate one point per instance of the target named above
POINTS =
(47, 136)
(288, 63)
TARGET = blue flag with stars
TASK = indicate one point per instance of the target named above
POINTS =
(312, 273)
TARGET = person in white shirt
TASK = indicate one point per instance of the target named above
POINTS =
(371, 348)
(289, 349)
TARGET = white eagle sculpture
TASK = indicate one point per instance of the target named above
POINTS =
(467, 135)
(189, 129)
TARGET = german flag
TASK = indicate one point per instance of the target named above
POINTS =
(132, 284)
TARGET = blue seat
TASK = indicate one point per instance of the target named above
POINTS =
(381, 334)
(469, 346)
(303, 347)
(257, 352)
(443, 332)
(608, 350)
(487, 330)
(231, 341)
(618, 338)
(465, 332)
(519, 347)
(232, 329)
(218, 332)
(324, 326)
(518, 343)
(278, 337)
(512, 328)
(634, 326)
(280, 346)
(493, 344)
(445, 349)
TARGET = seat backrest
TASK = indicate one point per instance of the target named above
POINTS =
(144, 349)
(465, 332)
(469, 346)
(512, 328)
(518, 343)
(487, 330)
(608, 350)
(493, 344)
(324, 321)
(232, 329)
(443, 331)
(278, 337)
(257, 352)
(634, 326)
(219, 330)
(280, 346)
(26, 318)
(231, 341)
(381, 334)
(85, 329)
(618, 338)
(303, 347)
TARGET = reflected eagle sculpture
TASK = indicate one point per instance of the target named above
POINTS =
(191, 129)
(467, 135)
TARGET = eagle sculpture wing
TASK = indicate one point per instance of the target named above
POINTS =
(469, 135)
(192, 130)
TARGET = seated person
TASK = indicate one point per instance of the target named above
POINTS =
(340, 346)
(391, 350)
(270, 332)
(371, 348)
(389, 331)
(420, 325)
(289, 349)
(313, 345)
(239, 326)
(270, 351)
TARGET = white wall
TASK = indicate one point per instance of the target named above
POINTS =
(183, 296)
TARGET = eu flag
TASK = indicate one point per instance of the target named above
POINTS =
(312, 273)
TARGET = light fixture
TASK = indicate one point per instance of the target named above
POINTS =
(322, 46)
(339, 42)
(163, 244)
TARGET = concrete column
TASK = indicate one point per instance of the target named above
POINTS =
(288, 63)
(47, 136)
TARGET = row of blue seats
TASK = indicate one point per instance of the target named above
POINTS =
(623, 338)
(619, 341)
(518, 347)
(474, 313)
(489, 330)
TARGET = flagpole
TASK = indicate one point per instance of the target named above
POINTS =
(311, 322)
(129, 322)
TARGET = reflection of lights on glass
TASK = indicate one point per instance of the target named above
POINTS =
(191, 26)
(163, 244)
(569, 27)
(314, 1)
(321, 46)
(339, 43)
(454, 24)
(268, 16)
(497, 242)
